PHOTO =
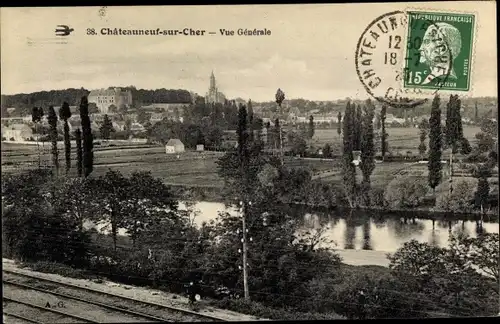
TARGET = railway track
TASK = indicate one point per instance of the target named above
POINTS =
(27, 312)
(153, 312)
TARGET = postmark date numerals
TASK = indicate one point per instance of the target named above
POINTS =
(394, 41)
(390, 58)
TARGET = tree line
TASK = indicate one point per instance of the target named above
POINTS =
(357, 129)
(290, 272)
(83, 137)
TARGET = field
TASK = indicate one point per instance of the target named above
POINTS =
(190, 169)
(200, 169)
(400, 139)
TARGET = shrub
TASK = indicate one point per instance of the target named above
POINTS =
(57, 268)
(461, 199)
(259, 310)
(405, 192)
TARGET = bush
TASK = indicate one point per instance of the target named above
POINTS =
(405, 192)
(57, 268)
(461, 199)
(377, 197)
(264, 312)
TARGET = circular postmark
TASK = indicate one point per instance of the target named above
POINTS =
(402, 59)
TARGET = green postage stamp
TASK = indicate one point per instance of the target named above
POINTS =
(439, 50)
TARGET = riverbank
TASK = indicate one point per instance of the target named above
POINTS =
(215, 195)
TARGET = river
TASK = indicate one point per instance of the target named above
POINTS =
(383, 233)
(358, 231)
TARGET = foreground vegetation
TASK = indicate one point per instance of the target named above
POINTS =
(289, 277)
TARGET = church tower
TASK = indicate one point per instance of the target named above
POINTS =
(212, 82)
(213, 95)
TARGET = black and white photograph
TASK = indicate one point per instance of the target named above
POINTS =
(192, 163)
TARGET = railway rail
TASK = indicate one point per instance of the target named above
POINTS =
(152, 311)
(42, 314)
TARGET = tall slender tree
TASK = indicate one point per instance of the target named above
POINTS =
(367, 164)
(268, 133)
(79, 152)
(454, 135)
(277, 134)
(280, 97)
(52, 119)
(476, 113)
(483, 187)
(357, 127)
(310, 131)
(243, 142)
(88, 142)
(348, 167)
(383, 136)
(36, 118)
(250, 121)
(435, 145)
(424, 129)
(65, 114)
(339, 123)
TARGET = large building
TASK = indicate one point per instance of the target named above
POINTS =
(17, 132)
(104, 98)
(214, 95)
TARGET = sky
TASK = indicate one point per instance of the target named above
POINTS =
(310, 53)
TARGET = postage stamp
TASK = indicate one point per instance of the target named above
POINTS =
(433, 39)
(403, 58)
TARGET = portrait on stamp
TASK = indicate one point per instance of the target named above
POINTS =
(439, 51)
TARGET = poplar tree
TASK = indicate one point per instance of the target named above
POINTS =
(348, 167)
(36, 118)
(52, 119)
(339, 123)
(276, 137)
(243, 144)
(476, 113)
(454, 135)
(435, 145)
(250, 121)
(79, 153)
(88, 145)
(357, 127)
(268, 133)
(65, 114)
(424, 129)
(483, 187)
(383, 137)
(367, 164)
(310, 132)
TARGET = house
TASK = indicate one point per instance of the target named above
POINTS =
(17, 132)
(104, 98)
(156, 117)
(137, 128)
(119, 126)
(74, 124)
(200, 147)
(174, 145)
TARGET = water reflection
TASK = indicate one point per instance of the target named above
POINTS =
(367, 244)
(375, 231)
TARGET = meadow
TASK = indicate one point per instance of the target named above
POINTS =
(401, 139)
(196, 169)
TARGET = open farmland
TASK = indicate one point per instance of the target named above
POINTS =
(200, 169)
(400, 139)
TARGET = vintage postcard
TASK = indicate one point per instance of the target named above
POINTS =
(249, 162)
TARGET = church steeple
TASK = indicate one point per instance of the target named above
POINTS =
(212, 80)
